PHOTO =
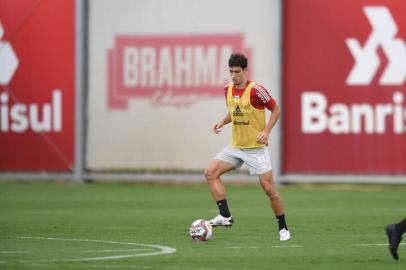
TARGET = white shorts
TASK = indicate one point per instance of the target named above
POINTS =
(257, 159)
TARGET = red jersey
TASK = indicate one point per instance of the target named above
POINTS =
(260, 97)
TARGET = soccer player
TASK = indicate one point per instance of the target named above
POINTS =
(246, 102)
(394, 233)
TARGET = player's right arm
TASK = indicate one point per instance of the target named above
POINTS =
(217, 127)
(227, 119)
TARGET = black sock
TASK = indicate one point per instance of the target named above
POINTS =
(401, 226)
(282, 222)
(223, 208)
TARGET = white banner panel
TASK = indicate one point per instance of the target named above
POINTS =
(157, 70)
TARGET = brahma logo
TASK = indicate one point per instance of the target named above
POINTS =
(339, 118)
(8, 60)
(384, 30)
(170, 70)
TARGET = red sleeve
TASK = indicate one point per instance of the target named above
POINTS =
(260, 98)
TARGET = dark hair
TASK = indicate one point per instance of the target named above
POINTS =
(238, 60)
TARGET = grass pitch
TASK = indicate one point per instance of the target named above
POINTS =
(138, 226)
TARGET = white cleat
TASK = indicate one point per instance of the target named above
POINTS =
(219, 220)
(284, 235)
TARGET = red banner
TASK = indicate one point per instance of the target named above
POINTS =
(36, 85)
(344, 87)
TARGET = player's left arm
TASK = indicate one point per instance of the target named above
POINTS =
(262, 99)
(263, 136)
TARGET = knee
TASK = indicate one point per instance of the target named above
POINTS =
(210, 174)
(271, 191)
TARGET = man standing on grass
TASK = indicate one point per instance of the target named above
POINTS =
(246, 103)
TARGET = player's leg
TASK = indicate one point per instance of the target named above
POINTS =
(395, 232)
(268, 185)
(401, 226)
(217, 189)
(213, 172)
(259, 162)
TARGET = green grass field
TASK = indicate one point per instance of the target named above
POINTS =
(115, 226)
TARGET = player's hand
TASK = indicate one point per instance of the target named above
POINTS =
(263, 137)
(217, 127)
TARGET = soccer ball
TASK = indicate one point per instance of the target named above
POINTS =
(201, 230)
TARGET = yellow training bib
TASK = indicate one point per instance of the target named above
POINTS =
(247, 121)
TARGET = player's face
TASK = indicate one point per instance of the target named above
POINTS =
(237, 75)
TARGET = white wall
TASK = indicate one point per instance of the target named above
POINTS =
(145, 136)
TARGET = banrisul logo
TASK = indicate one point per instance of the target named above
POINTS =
(170, 70)
(367, 62)
(386, 116)
(8, 60)
(17, 117)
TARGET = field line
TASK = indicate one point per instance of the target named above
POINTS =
(252, 247)
(98, 266)
(116, 250)
(376, 245)
(161, 249)
(106, 266)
